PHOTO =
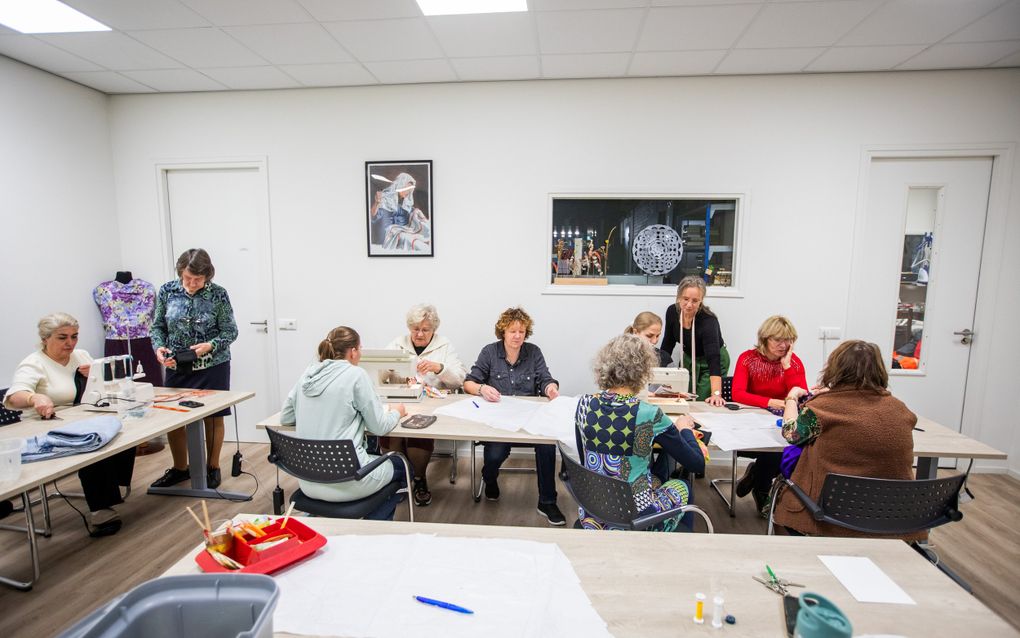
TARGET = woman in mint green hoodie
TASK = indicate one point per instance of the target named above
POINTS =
(333, 400)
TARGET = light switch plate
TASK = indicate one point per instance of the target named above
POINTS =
(287, 324)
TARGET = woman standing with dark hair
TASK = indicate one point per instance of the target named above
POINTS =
(852, 425)
(193, 313)
(335, 400)
(696, 328)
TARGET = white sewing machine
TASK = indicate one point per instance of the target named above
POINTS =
(111, 385)
(389, 371)
(670, 393)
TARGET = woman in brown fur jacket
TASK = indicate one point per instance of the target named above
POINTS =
(852, 425)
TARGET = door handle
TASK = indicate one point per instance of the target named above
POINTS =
(264, 323)
(966, 335)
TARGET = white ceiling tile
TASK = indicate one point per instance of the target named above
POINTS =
(334, 10)
(1001, 24)
(519, 67)
(805, 24)
(43, 55)
(666, 63)
(603, 31)
(378, 40)
(109, 82)
(349, 74)
(412, 71)
(238, 12)
(838, 59)
(306, 43)
(208, 47)
(1013, 60)
(469, 36)
(695, 27)
(767, 60)
(111, 49)
(917, 21)
(961, 55)
(590, 65)
(573, 5)
(175, 80)
(252, 77)
(139, 14)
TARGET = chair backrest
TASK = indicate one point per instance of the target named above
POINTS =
(727, 389)
(604, 497)
(887, 506)
(313, 460)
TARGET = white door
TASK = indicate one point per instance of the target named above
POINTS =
(908, 287)
(226, 212)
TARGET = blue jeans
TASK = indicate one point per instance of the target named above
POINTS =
(385, 511)
(545, 466)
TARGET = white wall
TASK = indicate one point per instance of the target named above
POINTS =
(58, 222)
(791, 144)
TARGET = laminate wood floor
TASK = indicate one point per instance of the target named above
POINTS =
(80, 573)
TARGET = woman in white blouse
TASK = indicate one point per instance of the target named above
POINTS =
(45, 379)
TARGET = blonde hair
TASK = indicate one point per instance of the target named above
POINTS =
(775, 327)
(511, 315)
(643, 321)
(338, 342)
(625, 362)
(53, 322)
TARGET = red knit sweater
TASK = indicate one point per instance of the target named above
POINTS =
(756, 379)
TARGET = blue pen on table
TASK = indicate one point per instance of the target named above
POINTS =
(439, 603)
(475, 403)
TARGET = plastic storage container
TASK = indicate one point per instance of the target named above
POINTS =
(302, 542)
(195, 606)
(10, 459)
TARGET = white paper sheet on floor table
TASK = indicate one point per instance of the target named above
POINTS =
(865, 580)
(745, 431)
(364, 586)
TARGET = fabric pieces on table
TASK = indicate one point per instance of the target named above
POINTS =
(363, 586)
(79, 437)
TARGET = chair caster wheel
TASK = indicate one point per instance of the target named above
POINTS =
(477, 499)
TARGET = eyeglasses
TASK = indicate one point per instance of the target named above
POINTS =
(782, 339)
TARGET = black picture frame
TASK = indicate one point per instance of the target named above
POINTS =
(395, 227)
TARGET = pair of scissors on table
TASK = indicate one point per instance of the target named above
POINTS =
(776, 584)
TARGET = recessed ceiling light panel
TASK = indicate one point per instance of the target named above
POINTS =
(45, 16)
(461, 7)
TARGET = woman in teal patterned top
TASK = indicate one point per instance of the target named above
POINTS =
(192, 313)
(615, 431)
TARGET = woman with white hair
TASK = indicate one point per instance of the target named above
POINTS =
(438, 366)
(47, 378)
(615, 432)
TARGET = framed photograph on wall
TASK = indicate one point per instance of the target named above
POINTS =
(399, 207)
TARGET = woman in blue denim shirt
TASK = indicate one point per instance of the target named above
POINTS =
(514, 368)
(192, 313)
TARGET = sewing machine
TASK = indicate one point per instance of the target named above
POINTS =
(111, 385)
(389, 371)
(669, 390)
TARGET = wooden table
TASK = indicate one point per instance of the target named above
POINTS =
(135, 431)
(643, 584)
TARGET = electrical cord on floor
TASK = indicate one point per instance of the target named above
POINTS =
(235, 466)
(84, 519)
(240, 500)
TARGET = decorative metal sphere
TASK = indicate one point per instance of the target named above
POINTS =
(657, 249)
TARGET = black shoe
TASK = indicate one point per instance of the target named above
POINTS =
(420, 490)
(212, 477)
(553, 513)
(746, 482)
(106, 529)
(173, 476)
(491, 491)
(761, 502)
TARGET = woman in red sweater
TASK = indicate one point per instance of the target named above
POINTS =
(763, 377)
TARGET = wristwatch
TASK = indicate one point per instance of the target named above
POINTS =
(717, 393)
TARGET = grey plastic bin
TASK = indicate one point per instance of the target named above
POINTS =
(194, 606)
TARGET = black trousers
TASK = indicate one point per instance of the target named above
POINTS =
(101, 481)
(766, 468)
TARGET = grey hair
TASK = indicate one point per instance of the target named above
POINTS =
(423, 312)
(53, 322)
(625, 362)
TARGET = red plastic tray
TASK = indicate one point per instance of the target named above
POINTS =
(305, 543)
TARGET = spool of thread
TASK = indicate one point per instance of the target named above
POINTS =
(699, 608)
(717, 613)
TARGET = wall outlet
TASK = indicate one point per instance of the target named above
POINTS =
(829, 333)
(287, 324)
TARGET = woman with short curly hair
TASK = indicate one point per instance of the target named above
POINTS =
(615, 431)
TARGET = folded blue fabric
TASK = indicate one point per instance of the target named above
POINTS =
(79, 437)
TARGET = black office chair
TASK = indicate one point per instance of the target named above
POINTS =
(882, 506)
(329, 462)
(612, 499)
